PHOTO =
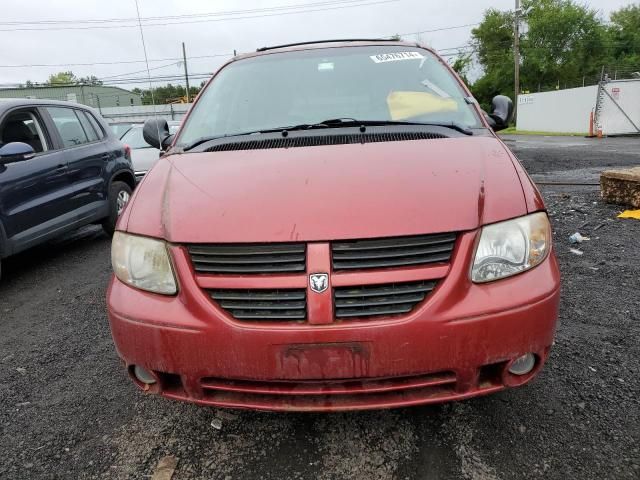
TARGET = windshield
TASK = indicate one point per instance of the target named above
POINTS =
(305, 87)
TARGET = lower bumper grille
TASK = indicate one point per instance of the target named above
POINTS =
(275, 305)
(328, 387)
(380, 300)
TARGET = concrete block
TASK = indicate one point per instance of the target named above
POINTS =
(621, 186)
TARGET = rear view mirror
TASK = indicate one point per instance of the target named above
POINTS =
(501, 112)
(156, 133)
(16, 152)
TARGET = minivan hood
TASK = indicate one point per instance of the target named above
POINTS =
(330, 192)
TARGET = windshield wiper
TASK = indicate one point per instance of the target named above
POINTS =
(352, 122)
(303, 126)
(333, 123)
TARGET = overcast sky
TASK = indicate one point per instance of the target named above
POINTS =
(271, 22)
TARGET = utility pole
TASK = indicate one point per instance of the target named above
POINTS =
(516, 58)
(186, 73)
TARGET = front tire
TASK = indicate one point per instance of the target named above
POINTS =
(119, 195)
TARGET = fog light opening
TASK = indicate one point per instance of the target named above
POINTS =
(523, 365)
(143, 375)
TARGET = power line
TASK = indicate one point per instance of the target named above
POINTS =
(163, 24)
(119, 62)
(438, 29)
(217, 55)
(138, 71)
(177, 17)
(119, 81)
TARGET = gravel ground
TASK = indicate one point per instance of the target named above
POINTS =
(67, 409)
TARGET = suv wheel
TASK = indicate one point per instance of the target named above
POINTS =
(119, 195)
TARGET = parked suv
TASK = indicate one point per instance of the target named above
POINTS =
(61, 167)
(336, 226)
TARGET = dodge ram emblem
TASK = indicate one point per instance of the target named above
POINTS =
(319, 282)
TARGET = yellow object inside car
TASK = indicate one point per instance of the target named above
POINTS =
(414, 104)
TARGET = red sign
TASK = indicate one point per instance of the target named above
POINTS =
(616, 92)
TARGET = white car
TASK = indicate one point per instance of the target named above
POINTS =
(143, 155)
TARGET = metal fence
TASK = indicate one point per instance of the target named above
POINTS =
(141, 112)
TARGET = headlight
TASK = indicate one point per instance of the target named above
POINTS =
(511, 247)
(143, 263)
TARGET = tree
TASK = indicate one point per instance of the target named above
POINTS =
(68, 78)
(62, 78)
(90, 80)
(624, 39)
(166, 94)
(492, 42)
(563, 42)
(462, 64)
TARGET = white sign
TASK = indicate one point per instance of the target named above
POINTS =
(396, 57)
(325, 66)
(525, 99)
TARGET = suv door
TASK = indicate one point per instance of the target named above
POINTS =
(86, 152)
(34, 194)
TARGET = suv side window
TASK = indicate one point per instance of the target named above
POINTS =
(96, 125)
(24, 126)
(68, 126)
(86, 125)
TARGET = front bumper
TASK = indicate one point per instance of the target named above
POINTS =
(457, 344)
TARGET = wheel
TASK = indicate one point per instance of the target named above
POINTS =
(119, 195)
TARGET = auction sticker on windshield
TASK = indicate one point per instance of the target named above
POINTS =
(396, 57)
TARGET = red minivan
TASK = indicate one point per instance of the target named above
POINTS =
(336, 226)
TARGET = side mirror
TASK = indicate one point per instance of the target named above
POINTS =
(501, 112)
(156, 133)
(16, 152)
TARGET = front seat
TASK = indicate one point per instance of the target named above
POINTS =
(17, 131)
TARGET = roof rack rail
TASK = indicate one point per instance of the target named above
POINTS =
(264, 49)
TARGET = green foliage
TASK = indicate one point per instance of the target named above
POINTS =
(493, 42)
(90, 80)
(167, 94)
(68, 78)
(565, 41)
(461, 66)
(62, 78)
(562, 43)
(624, 35)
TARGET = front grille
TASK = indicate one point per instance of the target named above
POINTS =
(275, 305)
(392, 252)
(380, 300)
(249, 258)
(317, 140)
